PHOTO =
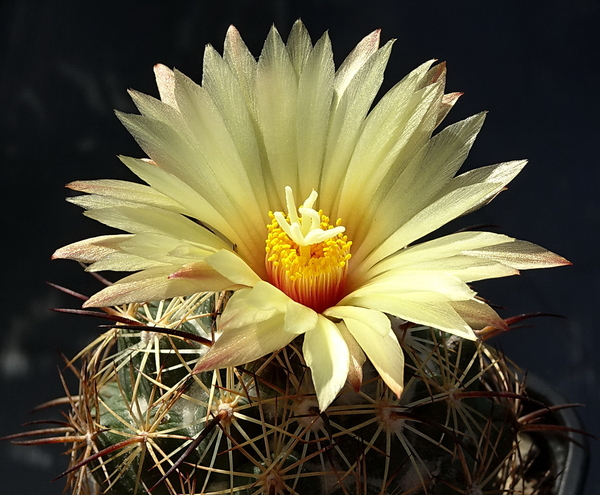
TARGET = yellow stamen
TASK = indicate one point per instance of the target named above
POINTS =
(307, 257)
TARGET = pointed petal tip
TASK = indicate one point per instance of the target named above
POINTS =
(103, 299)
(201, 366)
(64, 253)
(233, 36)
(397, 390)
(60, 254)
(355, 378)
(560, 261)
(371, 41)
(214, 361)
(74, 185)
(90, 303)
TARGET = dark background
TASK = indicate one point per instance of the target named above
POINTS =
(65, 65)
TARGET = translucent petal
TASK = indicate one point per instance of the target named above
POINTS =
(163, 248)
(213, 141)
(465, 268)
(92, 249)
(416, 187)
(346, 122)
(242, 63)
(165, 81)
(276, 103)
(373, 331)
(299, 319)
(448, 101)
(171, 151)
(240, 345)
(357, 358)
(240, 120)
(241, 312)
(326, 354)
(436, 314)
(231, 266)
(415, 285)
(150, 220)
(521, 255)
(127, 191)
(155, 109)
(440, 248)
(478, 314)
(265, 297)
(154, 284)
(299, 46)
(355, 60)
(459, 196)
(195, 206)
(315, 93)
(393, 131)
(124, 262)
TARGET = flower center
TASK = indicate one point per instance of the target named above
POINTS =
(307, 257)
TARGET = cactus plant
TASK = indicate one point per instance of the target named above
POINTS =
(142, 422)
(348, 360)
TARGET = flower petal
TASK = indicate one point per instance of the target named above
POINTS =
(315, 94)
(149, 220)
(255, 322)
(346, 122)
(154, 285)
(242, 311)
(211, 139)
(426, 311)
(478, 314)
(373, 331)
(521, 255)
(241, 345)
(357, 358)
(165, 144)
(355, 60)
(415, 285)
(92, 249)
(278, 115)
(326, 354)
(242, 63)
(462, 194)
(264, 301)
(299, 46)
(129, 192)
(231, 266)
(392, 133)
(438, 249)
(165, 81)
(239, 117)
(193, 204)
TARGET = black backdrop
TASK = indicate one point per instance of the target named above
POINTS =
(66, 65)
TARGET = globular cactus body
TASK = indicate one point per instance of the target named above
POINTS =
(257, 428)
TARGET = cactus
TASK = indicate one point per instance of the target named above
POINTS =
(262, 348)
(143, 422)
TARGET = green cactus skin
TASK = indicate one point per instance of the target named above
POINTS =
(143, 421)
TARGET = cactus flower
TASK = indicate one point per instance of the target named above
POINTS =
(279, 179)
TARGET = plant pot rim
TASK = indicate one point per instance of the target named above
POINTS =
(571, 450)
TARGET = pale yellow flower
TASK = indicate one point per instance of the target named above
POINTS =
(232, 160)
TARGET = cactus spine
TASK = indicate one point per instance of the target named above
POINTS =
(141, 421)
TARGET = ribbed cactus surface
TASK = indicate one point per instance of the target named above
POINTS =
(142, 421)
